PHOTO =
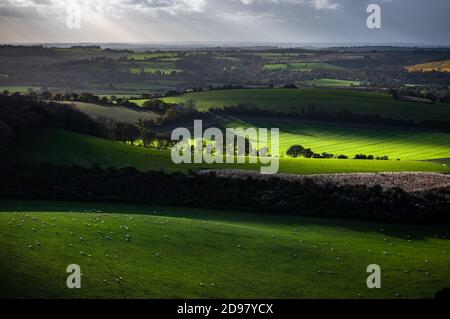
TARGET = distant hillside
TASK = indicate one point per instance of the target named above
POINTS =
(330, 101)
(438, 66)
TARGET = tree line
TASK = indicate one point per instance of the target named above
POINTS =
(274, 195)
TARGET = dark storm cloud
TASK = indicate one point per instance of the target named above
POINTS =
(313, 21)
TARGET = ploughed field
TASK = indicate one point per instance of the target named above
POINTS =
(409, 182)
(130, 251)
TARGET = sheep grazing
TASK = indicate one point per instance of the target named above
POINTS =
(81, 239)
(30, 246)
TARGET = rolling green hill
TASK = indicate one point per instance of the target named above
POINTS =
(194, 253)
(331, 101)
(62, 147)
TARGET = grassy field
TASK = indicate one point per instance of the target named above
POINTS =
(193, 253)
(438, 66)
(153, 67)
(115, 113)
(350, 140)
(19, 89)
(322, 99)
(331, 83)
(62, 148)
(154, 55)
(301, 66)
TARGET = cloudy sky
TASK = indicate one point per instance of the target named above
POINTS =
(423, 22)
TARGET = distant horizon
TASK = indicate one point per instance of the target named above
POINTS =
(229, 44)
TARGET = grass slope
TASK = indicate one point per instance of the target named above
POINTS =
(61, 147)
(328, 100)
(193, 253)
(115, 113)
(351, 140)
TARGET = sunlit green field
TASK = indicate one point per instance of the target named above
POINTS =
(329, 100)
(67, 148)
(351, 140)
(194, 253)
